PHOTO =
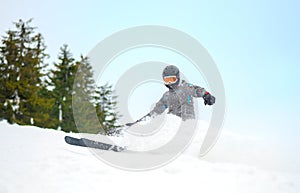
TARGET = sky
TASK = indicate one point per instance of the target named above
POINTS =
(255, 45)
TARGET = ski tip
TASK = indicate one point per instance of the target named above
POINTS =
(66, 138)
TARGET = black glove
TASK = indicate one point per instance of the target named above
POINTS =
(209, 99)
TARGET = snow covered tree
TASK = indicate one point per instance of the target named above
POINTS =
(62, 79)
(84, 87)
(27, 97)
(106, 107)
(96, 112)
(22, 55)
(73, 83)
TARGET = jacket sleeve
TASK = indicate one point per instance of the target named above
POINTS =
(197, 91)
(160, 106)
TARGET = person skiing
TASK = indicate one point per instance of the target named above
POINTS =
(179, 98)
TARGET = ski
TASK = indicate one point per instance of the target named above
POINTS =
(83, 142)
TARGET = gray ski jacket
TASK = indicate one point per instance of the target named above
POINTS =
(179, 101)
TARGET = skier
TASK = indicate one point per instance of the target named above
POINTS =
(179, 98)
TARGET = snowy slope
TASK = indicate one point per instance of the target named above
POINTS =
(35, 160)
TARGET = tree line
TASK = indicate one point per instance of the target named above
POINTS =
(32, 95)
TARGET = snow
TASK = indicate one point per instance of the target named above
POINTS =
(60, 113)
(37, 160)
(31, 121)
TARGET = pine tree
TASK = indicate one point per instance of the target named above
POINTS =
(22, 55)
(83, 100)
(62, 79)
(26, 99)
(105, 103)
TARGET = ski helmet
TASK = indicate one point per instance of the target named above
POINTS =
(171, 71)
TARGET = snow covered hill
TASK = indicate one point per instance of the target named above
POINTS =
(35, 160)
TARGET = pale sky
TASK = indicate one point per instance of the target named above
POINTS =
(255, 45)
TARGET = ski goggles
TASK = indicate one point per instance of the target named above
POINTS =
(170, 79)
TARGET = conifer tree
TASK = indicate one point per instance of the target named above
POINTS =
(84, 103)
(26, 99)
(22, 55)
(62, 79)
(105, 104)
(96, 112)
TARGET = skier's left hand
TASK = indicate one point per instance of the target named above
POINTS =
(209, 99)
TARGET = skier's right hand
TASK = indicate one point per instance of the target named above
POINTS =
(141, 119)
(209, 99)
